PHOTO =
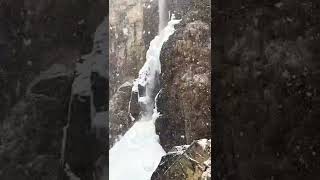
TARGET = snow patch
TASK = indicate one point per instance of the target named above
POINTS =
(204, 143)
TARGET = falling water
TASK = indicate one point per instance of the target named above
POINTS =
(163, 14)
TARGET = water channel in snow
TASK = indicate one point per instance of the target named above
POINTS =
(137, 154)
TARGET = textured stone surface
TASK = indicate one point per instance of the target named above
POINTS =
(132, 25)
(185, 80)
(188, 162)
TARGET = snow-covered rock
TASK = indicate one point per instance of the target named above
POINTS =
(191, 162)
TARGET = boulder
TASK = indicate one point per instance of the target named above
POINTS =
(187, 162)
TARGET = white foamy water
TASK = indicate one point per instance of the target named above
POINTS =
(137, 154)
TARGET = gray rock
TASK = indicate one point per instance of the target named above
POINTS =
(188, 162)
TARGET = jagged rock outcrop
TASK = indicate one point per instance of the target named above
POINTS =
(185, 100)
(31, 134)
(187, 162)
(267, 83)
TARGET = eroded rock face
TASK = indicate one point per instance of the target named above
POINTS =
(187, 162)
(186, 95)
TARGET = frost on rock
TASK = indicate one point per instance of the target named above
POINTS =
(204, 143)
(178, 149)
(207, 173)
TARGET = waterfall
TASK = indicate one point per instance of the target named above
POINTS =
(163, 14)
(137, 154)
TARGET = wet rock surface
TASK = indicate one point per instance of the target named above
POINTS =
(266, 79)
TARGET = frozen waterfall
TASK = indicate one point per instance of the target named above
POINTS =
(137, 154)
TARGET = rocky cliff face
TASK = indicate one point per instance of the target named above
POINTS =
(132, 25)
(266, 61)
(186, 87)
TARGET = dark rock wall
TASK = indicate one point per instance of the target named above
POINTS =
(266, 63)
(185, 66)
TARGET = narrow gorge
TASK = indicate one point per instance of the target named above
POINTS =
(160, 123)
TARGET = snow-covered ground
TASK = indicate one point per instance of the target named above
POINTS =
(137, 154)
